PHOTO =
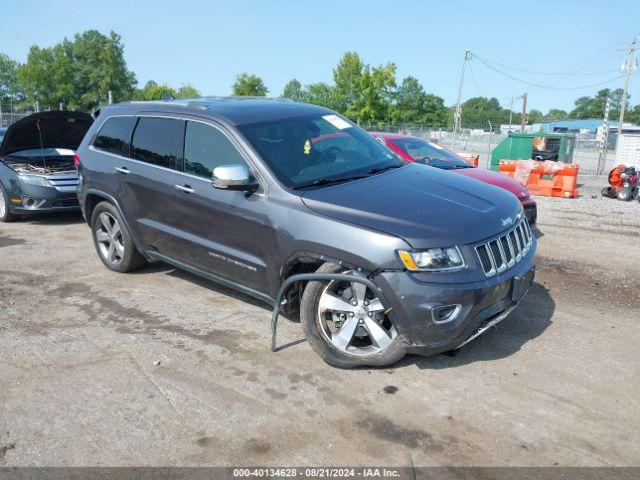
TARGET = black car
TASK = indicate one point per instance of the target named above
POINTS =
(250, 193)
(37, 171)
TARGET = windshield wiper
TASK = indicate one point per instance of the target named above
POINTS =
(455, 167)
(327, 181)
(382, 169)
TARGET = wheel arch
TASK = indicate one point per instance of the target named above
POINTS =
(93, 197)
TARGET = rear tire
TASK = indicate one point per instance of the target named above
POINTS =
(5, 207)
(317, 337)
(113, 241)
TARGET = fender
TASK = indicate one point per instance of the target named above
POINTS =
(99, 193)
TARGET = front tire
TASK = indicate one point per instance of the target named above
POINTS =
(5, 207)
(113, 241)
(345, 324)
(625, 194)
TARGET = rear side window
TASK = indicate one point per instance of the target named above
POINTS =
(115, 135)
(205, 148)
(156, 141)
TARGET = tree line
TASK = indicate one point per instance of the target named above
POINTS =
(79, 73)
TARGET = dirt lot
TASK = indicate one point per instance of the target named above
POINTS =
(162, 368)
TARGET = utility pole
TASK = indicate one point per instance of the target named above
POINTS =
(523, 120)
(456, 123)
(604, 138)
(110, 97)
(510, 113)
(628, 67)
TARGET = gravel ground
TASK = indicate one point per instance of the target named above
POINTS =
(162, 368)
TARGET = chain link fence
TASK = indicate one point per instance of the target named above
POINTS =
(10, 113)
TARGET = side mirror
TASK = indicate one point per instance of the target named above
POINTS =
(233, 176)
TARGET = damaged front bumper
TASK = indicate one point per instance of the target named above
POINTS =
(478, 306)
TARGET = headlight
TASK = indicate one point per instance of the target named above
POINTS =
(432, 259)
(35, 180)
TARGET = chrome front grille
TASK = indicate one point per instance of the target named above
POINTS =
(64, 182)
(499, 254)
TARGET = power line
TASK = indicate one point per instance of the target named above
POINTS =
(473, 77)
(599, 54)
(563, 73)
(539, 85)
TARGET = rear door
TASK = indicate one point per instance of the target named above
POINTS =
(146, 178)
(224, 232)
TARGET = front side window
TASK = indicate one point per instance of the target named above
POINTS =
(316, 149)
(156, 141)
(430, 154)
(115, 135)
(205, 148)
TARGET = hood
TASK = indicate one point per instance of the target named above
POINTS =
(495, 178)
(425, 206)
(56, 129)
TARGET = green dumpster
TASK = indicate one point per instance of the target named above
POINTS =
(537, 146)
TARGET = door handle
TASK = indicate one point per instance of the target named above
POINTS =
(184, 188)
(124, 170)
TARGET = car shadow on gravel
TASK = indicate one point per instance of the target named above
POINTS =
(527, 322)
(66, 218)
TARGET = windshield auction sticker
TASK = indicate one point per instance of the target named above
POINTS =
(337, 122)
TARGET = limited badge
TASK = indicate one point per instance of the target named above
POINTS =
(307, 147)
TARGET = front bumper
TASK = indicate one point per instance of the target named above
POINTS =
(35, 199)
(481, 305)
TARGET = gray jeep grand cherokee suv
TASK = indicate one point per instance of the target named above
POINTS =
(389, 257)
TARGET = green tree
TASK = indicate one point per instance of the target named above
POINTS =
(99, 67)
(416, 106)
(411, 100)
(377, 90)
(481, 111)
(78, 73)
(535, 116)
(347, 77)
(320, 94)
(293, 91)
(593, 107)
(48, 77)
(8, 78)
(556, 114)
(153, 91)
(249, 85)
(633, 115)
(188, 91)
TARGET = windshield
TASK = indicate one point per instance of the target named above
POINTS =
(317, 149)
(430, 153)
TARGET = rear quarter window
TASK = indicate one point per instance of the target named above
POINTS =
(115, 135)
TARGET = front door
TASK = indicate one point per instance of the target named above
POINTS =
(223, 232)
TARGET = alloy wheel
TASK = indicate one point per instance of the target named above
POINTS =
(109, 238)
(3, 205)
(353, 320)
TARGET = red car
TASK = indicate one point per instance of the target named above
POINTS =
(415, 149)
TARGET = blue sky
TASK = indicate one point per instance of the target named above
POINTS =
(207, 43)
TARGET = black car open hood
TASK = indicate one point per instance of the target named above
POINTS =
(425, 206)
(55, 129)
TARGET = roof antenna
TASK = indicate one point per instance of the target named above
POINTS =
(168, 96)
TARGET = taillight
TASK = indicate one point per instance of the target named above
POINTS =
(76, 160)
